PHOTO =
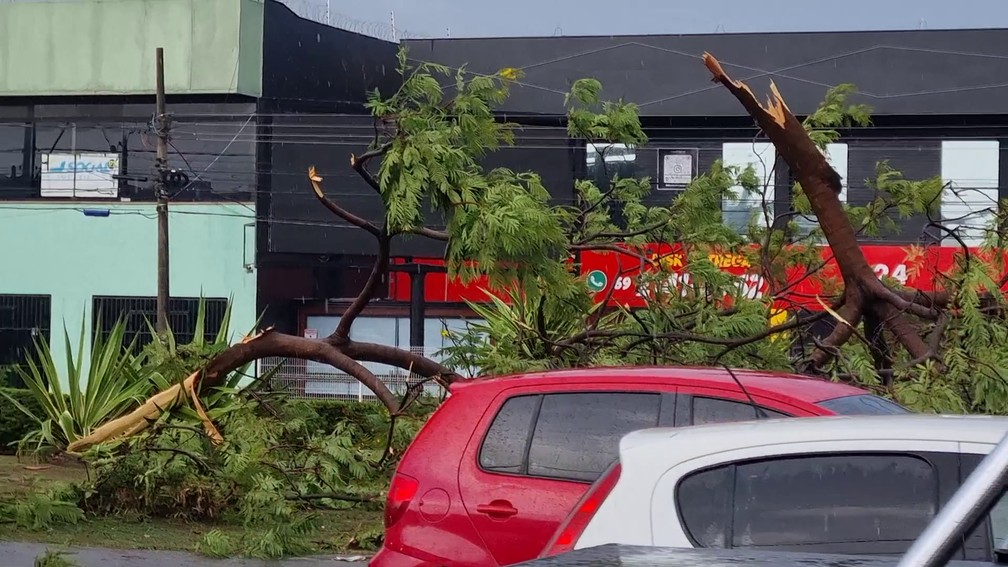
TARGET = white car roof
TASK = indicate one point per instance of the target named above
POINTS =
(701, 440)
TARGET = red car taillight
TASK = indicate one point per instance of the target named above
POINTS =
(572, 527)
(400, 494)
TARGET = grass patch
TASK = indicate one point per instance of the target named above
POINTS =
(19, 478)
(340, 530)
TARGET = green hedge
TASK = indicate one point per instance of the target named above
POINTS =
(13, 423)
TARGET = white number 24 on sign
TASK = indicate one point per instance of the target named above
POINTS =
(622, 283)
(899, 272)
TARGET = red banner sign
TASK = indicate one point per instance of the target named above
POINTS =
(438, 288)
(616, 275)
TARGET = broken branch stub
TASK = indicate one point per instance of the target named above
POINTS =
(863, 292)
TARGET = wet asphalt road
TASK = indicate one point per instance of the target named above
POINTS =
(18, 554)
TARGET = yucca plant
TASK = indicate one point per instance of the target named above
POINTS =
(171, 362)
(113, 383)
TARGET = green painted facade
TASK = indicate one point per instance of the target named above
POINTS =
(55, 249)
(93, 47)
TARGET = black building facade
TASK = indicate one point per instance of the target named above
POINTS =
(939, 109)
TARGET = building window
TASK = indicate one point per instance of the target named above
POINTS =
(69, 159)
(218, 156)
(23, 318)
(757, 206)
(140, 314)
(78, 160)
(851, 504)
(970, 171)
(389, 331)
(13, 158)
(837, 156)
(605, 161)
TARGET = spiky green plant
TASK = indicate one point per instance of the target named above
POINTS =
(75, 404)
(172, 362)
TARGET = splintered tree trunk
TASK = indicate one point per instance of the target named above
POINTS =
(864, 293)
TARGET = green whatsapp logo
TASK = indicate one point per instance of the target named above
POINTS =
(597, 280)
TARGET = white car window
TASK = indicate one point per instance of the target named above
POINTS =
(865, 504)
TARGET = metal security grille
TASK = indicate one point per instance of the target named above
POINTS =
(22, 317)
(137, 311)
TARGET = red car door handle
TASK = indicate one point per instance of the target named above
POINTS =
(497, 509)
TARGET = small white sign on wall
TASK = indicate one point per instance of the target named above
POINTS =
(83, 175)
(677, 168)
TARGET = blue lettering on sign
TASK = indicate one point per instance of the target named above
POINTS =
(94, 167)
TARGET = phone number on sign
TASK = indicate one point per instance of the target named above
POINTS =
(752, 286)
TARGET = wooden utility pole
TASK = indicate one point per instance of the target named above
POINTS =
(160, 177)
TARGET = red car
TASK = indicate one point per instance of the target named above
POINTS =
(500, 464)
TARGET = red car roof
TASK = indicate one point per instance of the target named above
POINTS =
(806, 388)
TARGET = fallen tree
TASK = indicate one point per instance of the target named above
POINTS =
(501, 225)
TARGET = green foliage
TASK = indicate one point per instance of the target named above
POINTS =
(217, 544)
(14, 423)
(170, 362)
(115, 381)
(280, 461)
(834, 113)
(42, 511)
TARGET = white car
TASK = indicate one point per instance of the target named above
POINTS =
(848, 485)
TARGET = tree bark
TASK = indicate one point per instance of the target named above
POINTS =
(864, 293)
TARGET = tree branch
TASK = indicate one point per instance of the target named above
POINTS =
(430, 233)
(629, 234)
(359, 222)
(359, 164)
(401, 358)
(842, 331)
(905, 331)
(270, 343)
(378, 273)
(820, 182)
(611, 248)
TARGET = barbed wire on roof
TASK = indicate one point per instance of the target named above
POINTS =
(320, 11)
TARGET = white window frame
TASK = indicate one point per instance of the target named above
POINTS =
(762, 156)
(970, 169)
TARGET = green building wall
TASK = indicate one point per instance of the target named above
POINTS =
(94, 47)
(54, 249)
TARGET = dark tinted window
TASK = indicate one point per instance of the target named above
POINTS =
(12, 156)
(139, 314)
(503, 448)
(713, 410)
(705, 502)
(866, 404)
(854, 504)
(577, 435)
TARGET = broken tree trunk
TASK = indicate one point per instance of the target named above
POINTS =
(864, 293)
(342, 355)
